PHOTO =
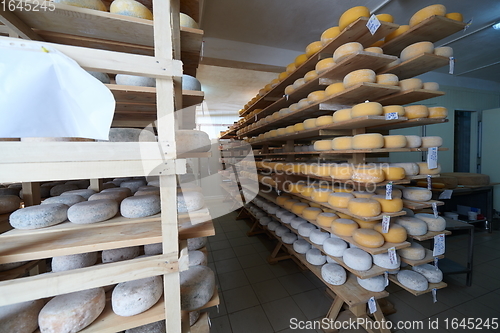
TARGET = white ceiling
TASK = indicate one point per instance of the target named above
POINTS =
(292, 24)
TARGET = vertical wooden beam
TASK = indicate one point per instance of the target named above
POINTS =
(96, 185)
(31, 194)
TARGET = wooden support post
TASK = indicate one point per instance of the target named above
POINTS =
(335, 308)
(31, 194)
(96, 185)
(243, 214)
(273, 258)
(255, 229)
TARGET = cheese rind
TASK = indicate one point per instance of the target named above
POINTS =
(346, 50)
(413, 226)
(324, 64)
(394, 141)
(431, 141)
(311, 75)
(334, 88)
(402, 29)
(340, 200)
(396, 234)
(430, 272)
(416, 111)
(357, 259)
(197, 287)
(413, 141)
(364, 207)
(416, 49)
(315, 257)
(313, 48)
(321, 195)
(324, 120)
(438, 112)
(412, 280)
(329, 34)
(367, 109)
(342, 115)
(323, 145)
(427, 12)
(388, 79)
(368, 141)
(341, 171)
(334, 247)
(424, 170)
(351, 15)
(374, 284)
(389, 205)
(417, 194)
(368, 238)
(368, 175)
(305, 229)
(333, 274)
(414, 252)
(444, 51)
(301, 246)
(409, 84)
(39, 216)
(433, 223)
(374, 49)
(382, 260)
(359, 76)
(344, 227)
(318, 237)
(431, 86)
(455, 16)
(300, 59)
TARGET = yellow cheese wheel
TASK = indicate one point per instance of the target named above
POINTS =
(274, 83)
(394, 173)
(343, 189)
(313, 48)
(299, 83)
(344, 216)
(374, 49)
(444, 51)
(311, 213)
(388, 79)
(300, 59)
(339, 200)
(307, 191)
(280, 200)
(295, 187)
(324, 120)
(311, 75)
(342, 115)
(281, 131)
(294, 107)
(323, 145)
(187, 21)
(424, 170)
(394, 109)
(362, 194)
(378, 43)
(364, 207)
(346, 50)
(396, 233)
(455, 16)
(326, 219)
(342, 143)
(389, 205)
(299, 207)
(334, 88)
(365, 224)
(321, 194)
(427, 12)
(367, 109)
(368, 141)
(290, 129)
(324, 64)
(275, 116)
(262, 92)
(91, 4)
(431, 85)
(306, 169)
(309, 123)
(273, 133)
(416, 49)
(283, 75)
(268, 87)
(316, 96)
(394, 141)
(438, 112)
(323, 170)
(416, 111)
(341, 171)
(368, 174)
(284, 111)
(409, 84)
(359, 76)
(385, 18)
(344, 227)
(290, 68)
(130, 8)
(431, 141)
(315, 205)
(368, 238)
(329, 35)
(303, 103)
(351, 15)
(399, 31)
(289, 203)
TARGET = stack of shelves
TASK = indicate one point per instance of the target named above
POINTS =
(115, 44)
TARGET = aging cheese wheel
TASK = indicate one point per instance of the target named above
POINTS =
(324, 64)
(305, 229)
(299, 207)
(320, 194)
(288, 217)
(340, 200)
(197, 243)
(357, 259)
(455, 16)
(290, 68)
(342, 143)
(315, 257)
(311, 75)
(323, 170)
(368, 174)
(431, 141)
(188, 201)
(329, 35)
(307, 191)
(444, 51)
(374, 49)
(413, 226)
(364, 207)
(323, 145)
(368, 238)
(280, 200)
(295, 188)
(324, 120)
(388, 79)
(187, 21)
(283, 75)
(281, 230)
(389, 206)
(83, 193)
(427, 12)
(141, 206)
(190, 83)
(396, 234)
(326, 219)
(88, 212)
(134, 80)
(73, 261)
(334, 88)
(410, 84)
(299, 83)
(396, 192)
(40, 216)
(433, 223)
(366, 109)
(402, 29)
(289, 129)
(393, 173)
(301, 246)
(334, 247)
(192, 141)
(368, 141)
(133, 185)
(72, 312)
(10, 203)
(351, 15)
(333, 274)
(272, 225)
(289, 89)
(359, 76)
(438, 112)
(310, 123)
(416, 49)
(289, 203)
(431, 86)
(382, 260)
(300, 59)
(375, 283)
(344, 227)
(365, 224)
(124, 253)
(197, 287)
(385, 18)
(91, 4)
(416, 111)
(394, 141)
(412, 280)
(313, 48)
(297, 221)
(152, 249)
(341, 171)
(413, 141)
(342, 115)
(417, 194)
(60, 189)
(20, 317)
(303, 103)
(430, 272)
(288, 237)
(346, 50)
(414, 252)
(134, 297)
(318, 237)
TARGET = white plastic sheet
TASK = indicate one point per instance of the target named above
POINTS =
(44, 93)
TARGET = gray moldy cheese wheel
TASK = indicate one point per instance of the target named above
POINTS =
(192, 141)
(157, 327)
(124, 253)
(133, 184)
(40, 216)
(197, 258)
(92, 211)
(68, 200)
(412, 280)
(60, 189)
(357, 259)
(152, 249)
(375, 283)
(196, 243)
(190, 83)
(140, 206)
(134, 297)
(134, 80)
(189, 201)
(430, 272)
(9, 191)
(118, 196)
(130, 135)
(73, 261)
(148, 191)
(72, 312)
(301, 246)
(333, 274)
(197, 287)
(20, 317)
(82, 184)
(193, 317)
(125, 190)
(9, 203)
(84, 193)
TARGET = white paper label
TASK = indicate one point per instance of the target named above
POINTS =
(429, 182)
(386, 278)
(393, 259)
(391, 116)
(432, 158)
(435, 209)
(372, 305)
(286, 97)
(452, 65)
(439, 246)
(373, 24)
(469, 23)
(388, 191)
(436, 259)
(446, 194)
(385, 224)
(278, 191)
(434, 295)
(255, 118)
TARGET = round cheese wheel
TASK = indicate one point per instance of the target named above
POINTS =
(289, 129)
(365, 224)
(430, 272)
(410, 84)
(283, 75)
(329, 35)
(368, 175)
(310, 123)
(159, 326)
(301, 246)
(368, 141)
(366, 109)
(197, 258)
(387, 79)
(382, 260)
(289, 89)
(288, 204)
(399, 31)
(274, 83)
(187, 21)
(340, 200)
(315, 257)
(344, 227)
(359, 76)
(299, 83)
(287, 217)
(341, 143)
(294, 188)
(455, 16)
(364, 207)
(134, 80)
(192, 141)
(39, 216)
(393, 173)
(416, 111)
(326, 219)
(281, 230)
(416, 49)
(412, 141)
(303, 103)
(311, 213)
(346, 50)
(290, 68)
(431, 141)
(341, 171)
(374, 49)
(394, 141)
(396, 234)
(324, 64)
(197, 287)
(311, 75)
(152, 249)
(20, 317)
(313, 48)
(324, 120)
(56, 190)
(190, 83)
(334, 89)
(73, 261)
(305, 229)
(374, 284)
(431, 86)
(307, 191)
(280, 200)
(394, 109)
(91, 4)
(298, 207)
(385, 18)
(323, 145)
(334, 247)
(424, 170)
(368, 238)
(288, 237)
(444, 51)
(357, 259)
(438, 112)
(322, 170)
(351, 15)
(124, 253)
(427, 12)
(92, 211)
(297, 221)
(318, 237)
(413, 226)
(412, 280)
(300, 59)
(187, 201)
(85, 193)
(389, 206)
(342, 115)
(147, 205)
(281, 131)
(10, 203)
(196, 243)
(333, 274)
(396, 192)
(433, 223)
(133, 185)
(414, 252)
(272, 225)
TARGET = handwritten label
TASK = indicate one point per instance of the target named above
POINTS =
(452, 65)
(393, 259)
(434, 295)
(439, 246)
(372, 305)
(432, 158)
(385, 224)
(286, 97)
(391, 116)
(373, 24)
(469, 23)
(429, 182)
(446, 194)
(436, 259)
(388, 191)
(435, 209)
(386, 278)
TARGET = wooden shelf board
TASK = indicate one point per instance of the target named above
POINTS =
(420, 64)
(195, 155)
(351, 151)
(420, 205)
(432, 29)
(410, 123)
(429, 258)
(430, 235)
(439, 285)
(409, 96)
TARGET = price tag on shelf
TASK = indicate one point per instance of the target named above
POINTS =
(372, 305)
(429, 182)
(435, 209)
(286, 96)
(436, 259)
(452, 65)
(432, 158)
(391, 116)
(386, 278)
(385, 224)
(373, 24)
(446, 194)
(388, 191)
(255, 119)
(278, 191)
(393, 259)
(469, 23)
(439, 246)
(434, 295)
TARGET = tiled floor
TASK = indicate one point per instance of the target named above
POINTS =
(259, 298)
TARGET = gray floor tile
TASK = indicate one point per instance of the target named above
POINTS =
(244, 250)
(240, 241)
(252, 320)
(423, 303)
(314, 279)
(313, 303)
(217, 237)
(236, 234)
(212, 266)
(284, 267)
(231, 280)
(296, 283)
(251, 260)
(220, 325)
(270, 290)
(281, 311)
(240, 298)
(491, 300)
(404, 311)
(219, 245)
(459, 281)
(228, 265)
(223, 254)
(259, 273)
(263, 247)
(230, 227)
(217, 311)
